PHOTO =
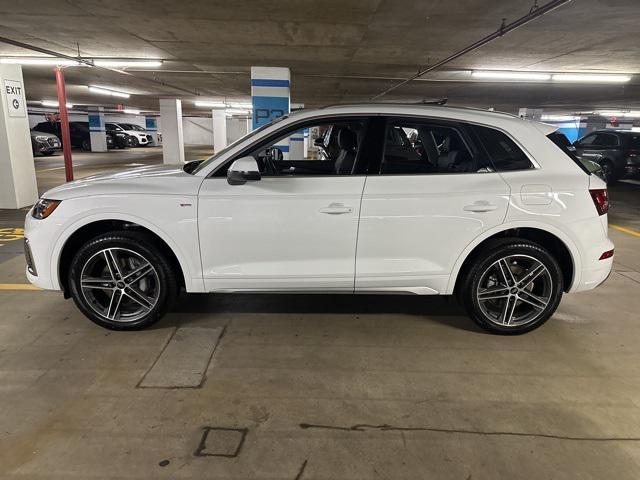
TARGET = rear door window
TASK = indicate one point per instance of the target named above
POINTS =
(415, 147)
(606, 140)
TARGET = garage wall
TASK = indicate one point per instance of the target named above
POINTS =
(199, 130)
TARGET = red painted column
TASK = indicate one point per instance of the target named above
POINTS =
(64, 124)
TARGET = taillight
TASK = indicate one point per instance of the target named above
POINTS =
(600, 200)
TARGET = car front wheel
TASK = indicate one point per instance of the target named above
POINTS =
(121, 281)
(512, 287)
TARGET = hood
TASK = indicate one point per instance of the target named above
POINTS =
(35, 133)
(155, 179)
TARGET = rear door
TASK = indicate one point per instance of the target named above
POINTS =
(599, 146)
(429, 195)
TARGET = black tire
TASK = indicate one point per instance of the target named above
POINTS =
(134, 142)
(86, 144)
(519, 253)
(47, 153)
(138, 245)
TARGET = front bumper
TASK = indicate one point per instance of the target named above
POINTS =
(48, 146)
(38, 235)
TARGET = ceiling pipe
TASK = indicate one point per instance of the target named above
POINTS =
(90, 63)
(503, 30)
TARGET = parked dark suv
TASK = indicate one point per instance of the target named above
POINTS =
(616, 151)
(79, 132)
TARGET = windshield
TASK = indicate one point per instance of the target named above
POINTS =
(131, 126)
(217, 155)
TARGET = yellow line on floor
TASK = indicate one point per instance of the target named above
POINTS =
(18, 286)
(629, 231)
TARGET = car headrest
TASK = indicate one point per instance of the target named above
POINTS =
(347, 140)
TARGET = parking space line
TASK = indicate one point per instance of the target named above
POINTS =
(18, 286)
(629, 231)
(9, 234)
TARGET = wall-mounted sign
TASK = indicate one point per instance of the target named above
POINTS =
(14, 92)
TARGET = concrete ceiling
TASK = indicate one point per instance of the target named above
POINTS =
(338, 51)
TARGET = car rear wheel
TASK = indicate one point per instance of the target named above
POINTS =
(121, 281)
(512, 287)
(86, 144)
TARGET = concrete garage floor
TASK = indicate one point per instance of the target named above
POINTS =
(320, 387)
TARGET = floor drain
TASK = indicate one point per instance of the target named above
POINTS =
(221, 442)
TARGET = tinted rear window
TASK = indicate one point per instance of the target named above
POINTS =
(565, 145)
(504, 153)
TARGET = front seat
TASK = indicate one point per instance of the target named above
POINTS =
(347, 142)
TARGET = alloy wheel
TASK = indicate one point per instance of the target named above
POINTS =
(514, 290)
(120, 284)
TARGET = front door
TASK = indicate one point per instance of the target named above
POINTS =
(295, 229)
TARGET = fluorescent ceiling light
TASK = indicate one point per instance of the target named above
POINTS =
(236, 111)
(511, 75)
(132, 111)
(559, 118)
(614, 113)
(53, 103)
(105, 91)
(127, 63)
(241, 105)
(38, 61)
(210, 104)
(587, 77)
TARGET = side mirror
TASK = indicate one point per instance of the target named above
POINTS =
(243, 170)
(319, 142)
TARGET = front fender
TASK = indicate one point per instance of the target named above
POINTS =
(193, 279)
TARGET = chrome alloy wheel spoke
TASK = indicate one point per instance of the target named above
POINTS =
(120, 284)
(514, 290)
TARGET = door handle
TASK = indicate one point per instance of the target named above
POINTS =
(336, 209)
(480, 207)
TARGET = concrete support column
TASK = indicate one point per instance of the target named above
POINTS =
(270, 91)
(151, 125)
(172, 135)
(97, 130)
(219, 129)
(17, 172)
(296, 146)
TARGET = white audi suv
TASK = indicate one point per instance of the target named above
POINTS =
(405, 199)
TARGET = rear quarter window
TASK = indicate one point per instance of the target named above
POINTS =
(504, 153)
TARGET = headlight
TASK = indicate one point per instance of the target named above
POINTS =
(41, 138)
(44, 208)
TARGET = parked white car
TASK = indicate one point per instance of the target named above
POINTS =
(408, 199)
(138, 136)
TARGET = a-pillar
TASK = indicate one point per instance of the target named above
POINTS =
(151, 126)
(270, 90)
(172, 135)
(219, 129)
(97, 130)
(17, 171)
